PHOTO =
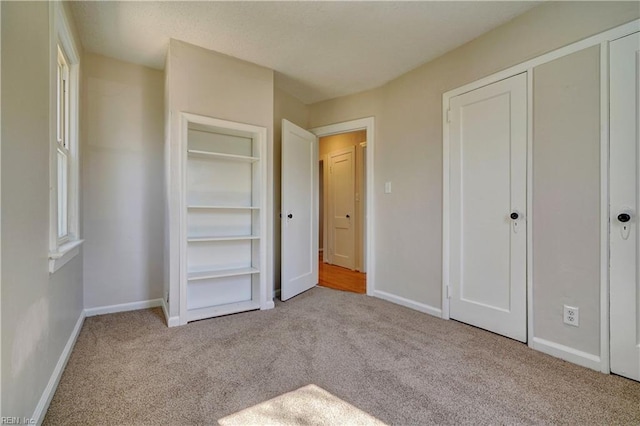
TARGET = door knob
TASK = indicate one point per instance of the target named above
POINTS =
(514, 216)
(348, 216)
(290, 215)
(624, 217)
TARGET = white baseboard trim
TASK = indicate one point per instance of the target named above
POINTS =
(171, 321)
(50, 390)
(123, 307)
(568, 354)
(427, 309)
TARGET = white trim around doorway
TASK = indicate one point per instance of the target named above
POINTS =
(605, 366)
(367, 124)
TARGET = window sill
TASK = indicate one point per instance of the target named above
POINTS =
(65, 253)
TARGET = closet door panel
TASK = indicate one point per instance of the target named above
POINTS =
(488, 207)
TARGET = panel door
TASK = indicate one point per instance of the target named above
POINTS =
(624, 199)
(488, 136)
(342, 177)
(299, 210)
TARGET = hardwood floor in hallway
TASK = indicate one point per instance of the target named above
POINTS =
(340, 278)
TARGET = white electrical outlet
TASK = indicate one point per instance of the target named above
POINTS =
(387, 187)
(571, 315)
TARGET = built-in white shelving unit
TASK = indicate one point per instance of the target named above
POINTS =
(224, 185)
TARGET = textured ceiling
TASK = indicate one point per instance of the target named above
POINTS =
(319, 50)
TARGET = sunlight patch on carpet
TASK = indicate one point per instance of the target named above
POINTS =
(309, 405)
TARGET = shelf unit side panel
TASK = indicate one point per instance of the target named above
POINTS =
(256, 247)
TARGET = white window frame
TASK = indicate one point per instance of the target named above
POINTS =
(64, 142)
(63, 147)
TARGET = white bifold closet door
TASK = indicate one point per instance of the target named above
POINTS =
(624, 200)
(488, 233)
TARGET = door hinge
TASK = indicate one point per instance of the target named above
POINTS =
(448, 292)
(448, 116)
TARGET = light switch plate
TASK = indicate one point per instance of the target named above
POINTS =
(387, 187)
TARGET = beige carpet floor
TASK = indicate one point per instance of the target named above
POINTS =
(399, 366)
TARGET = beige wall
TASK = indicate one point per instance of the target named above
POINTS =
(287, 107)
(123, 191)
(204, 82)
(566, 198)
(408, 148)
(39, 310)
(333, 143)
(346, 108)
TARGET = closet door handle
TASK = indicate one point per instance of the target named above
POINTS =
(514, 216)
(624, 217)
(290, 215)
(348, 216)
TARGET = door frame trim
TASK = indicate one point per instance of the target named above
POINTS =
(605, 363)
(602, 39)
(367, 124)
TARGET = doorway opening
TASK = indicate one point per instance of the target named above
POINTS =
(360, 135)
(342, 206)
(300, 205)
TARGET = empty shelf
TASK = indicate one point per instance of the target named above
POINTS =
(227, 238)
(221, 156)
(194, 207)
(203, 274)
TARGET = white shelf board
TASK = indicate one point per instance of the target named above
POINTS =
(221, 156)
(194, 207)
(216, 311)
(227, 238)
(205, 274)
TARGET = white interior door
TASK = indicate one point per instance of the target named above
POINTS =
(625, 196)
(342, 178)
(299, 210)
(488, 137)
